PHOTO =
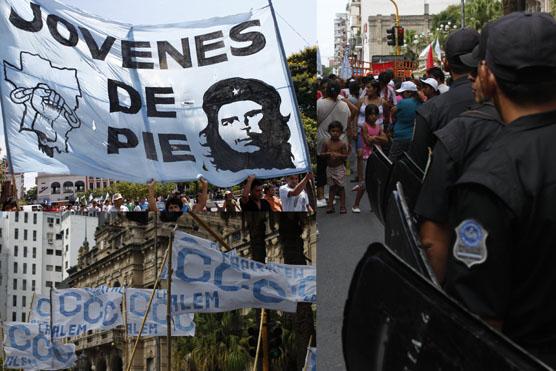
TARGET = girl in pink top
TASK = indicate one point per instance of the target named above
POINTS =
(371, 134)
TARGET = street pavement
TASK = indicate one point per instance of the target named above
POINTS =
(342, 242)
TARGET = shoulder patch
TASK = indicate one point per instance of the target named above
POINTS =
(470, 246)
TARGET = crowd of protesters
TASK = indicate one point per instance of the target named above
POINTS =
(361, 113)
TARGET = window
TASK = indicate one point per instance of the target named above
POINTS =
(24, 283)
(25, 234)
(58, 268)
(104, 184)
(24, 251)
(23, 302)
(48, 283)
(49, 268)
(57, 220)
(67, 248)
(15, 250)
(15, 267)
(66, 265)
(55, 188)
(98, 184)
(58, 252)
(91, 185)
(59, 236)
(16, 233)
(68, 187)
(34, 252)
(23, 317)
(24, 269)
(25, 217)
(33, 285)
(80, 186)
(14, 301)
(14, 318)
(15, 284)
(34, 235)
(34, 269)
(50, 220)
(16, 216)
(49, 252)
(34, 218)
(0, 232)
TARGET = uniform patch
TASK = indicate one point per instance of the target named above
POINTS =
(470, 246)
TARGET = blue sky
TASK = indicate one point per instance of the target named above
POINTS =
(296, 19)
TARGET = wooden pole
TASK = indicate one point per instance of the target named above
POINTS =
(156, 267)
(259, 340)
(126, 339)
(169, 303)
(266, 353)
(215, 235)
(148, 307)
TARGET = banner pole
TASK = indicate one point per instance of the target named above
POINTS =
(215, 235)
(259, 340)
(126, 343)
(51, 312)
(292, 87)
(148, 309)
(169, 301)
(157, 339)
(308, 346)
(31, 307)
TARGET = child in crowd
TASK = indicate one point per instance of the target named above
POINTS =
(336, 152)
(371, 133)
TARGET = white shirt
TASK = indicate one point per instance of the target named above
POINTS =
(293, 203)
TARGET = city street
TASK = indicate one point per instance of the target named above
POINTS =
(343, 239)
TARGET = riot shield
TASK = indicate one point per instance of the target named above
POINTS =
(401, 234)
(407, 172)
(395, 319)
(377, 174)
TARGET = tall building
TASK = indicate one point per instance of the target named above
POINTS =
(31, 253)
(340, 37)
(51, 187)
(76, 229)
(355, 38)
(374, 28)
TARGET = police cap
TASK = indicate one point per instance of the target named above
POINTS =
(521, 47)
(460, 42)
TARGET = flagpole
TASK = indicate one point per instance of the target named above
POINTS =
(157, 339)
(169, 301)
(126, 339)
(7, 142)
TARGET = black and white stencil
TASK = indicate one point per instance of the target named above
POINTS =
(50, 96)
(245, 127)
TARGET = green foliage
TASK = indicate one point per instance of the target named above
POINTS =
(477, 13)
(31, 194)
(310, 125)
(303, 67)
(131, 191)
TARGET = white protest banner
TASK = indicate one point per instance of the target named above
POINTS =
(87, 96)
(136, 303)
(75, 311)
(311, 359)
(40, 309)
(302, 280)
(207, 280)
(27, 346)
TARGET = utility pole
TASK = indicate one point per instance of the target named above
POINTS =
(398, 48)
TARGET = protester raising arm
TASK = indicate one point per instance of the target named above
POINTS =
(301, 185)
(247, 189)
(151, 198)
(203, 196)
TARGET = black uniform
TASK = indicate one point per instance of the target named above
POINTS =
(437, 113)
(503, 263)
(459, 143)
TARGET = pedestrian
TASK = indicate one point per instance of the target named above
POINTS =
(372, 134)
(293, 195)
(336, 152)
(329, 109)
(404, 114)
(118, 204)
(429, 88)
(435, 114)
(502, 212)
(437, 74)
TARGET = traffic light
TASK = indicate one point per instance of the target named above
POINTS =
(391, 36)
(252, 340)
(401, 38)
(275, 339)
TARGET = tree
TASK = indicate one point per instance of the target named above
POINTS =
(131, 191)
(31, 194)
(477, 13)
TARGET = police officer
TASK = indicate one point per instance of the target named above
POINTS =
(503, 249)
(437, 112)
(458, 144)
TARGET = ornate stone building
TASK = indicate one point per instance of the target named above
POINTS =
(128, 251)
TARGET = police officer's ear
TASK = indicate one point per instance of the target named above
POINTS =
(445, 64)
(488, 86)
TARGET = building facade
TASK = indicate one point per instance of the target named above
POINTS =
(340, 37)
(31, 260)
(76, 229)
(374, 29)
(51, 187)
(129, 253)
